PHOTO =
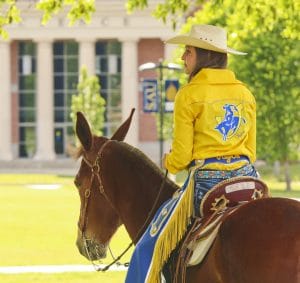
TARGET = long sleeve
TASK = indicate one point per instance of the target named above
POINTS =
(182, 147)
(214, 115)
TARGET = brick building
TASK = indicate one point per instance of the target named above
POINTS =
(39, 72)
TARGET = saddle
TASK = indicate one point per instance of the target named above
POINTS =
(217, 204)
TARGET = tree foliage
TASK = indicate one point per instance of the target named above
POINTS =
(89, 101)
(172, 10)
(9, 14)
(77, 10)
(260, 14)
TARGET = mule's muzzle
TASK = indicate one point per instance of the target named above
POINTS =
(91, 249)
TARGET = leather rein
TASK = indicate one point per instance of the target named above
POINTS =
(96, 172)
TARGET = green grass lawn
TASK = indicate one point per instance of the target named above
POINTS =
(86, 277)
(39, 227)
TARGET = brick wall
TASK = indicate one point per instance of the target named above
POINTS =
(149, 50)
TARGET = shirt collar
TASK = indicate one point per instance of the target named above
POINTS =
(215, 76)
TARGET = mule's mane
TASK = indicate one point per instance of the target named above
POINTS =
(134, 154)
(141, 160)
(140, 156)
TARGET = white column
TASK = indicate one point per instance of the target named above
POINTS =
(44, 102)
(130, 88)
(5, 102)
(87, 55)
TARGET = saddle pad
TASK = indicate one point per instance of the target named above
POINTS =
(201, 246)
(204, 235)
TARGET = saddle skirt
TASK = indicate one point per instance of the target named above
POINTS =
(217, 204)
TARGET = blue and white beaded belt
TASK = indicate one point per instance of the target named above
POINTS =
(224, 174)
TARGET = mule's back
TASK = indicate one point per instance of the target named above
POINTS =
(260, 242)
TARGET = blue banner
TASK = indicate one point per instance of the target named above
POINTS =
(150, 96)
(171, 88)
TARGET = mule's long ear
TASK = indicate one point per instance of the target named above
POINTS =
(83, 131)
(121, 132)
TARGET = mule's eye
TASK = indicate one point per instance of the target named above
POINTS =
(77, 183)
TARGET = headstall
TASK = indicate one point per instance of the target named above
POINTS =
(96, 171)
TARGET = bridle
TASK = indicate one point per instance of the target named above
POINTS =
(96, 172)
(95, 168)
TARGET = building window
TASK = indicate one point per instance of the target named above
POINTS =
(108, 70)
(65, 56)
(27, 97)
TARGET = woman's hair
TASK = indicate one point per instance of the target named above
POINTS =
(209, 59)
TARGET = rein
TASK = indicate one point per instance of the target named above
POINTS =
(95, 168)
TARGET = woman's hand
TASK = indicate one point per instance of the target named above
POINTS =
(163, 161)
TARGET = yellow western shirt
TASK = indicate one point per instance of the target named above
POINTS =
(214, 116)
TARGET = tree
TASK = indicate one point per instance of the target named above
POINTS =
(77, 10)
(261, 14)
(89, 101)
(274, 77)
(9, 14)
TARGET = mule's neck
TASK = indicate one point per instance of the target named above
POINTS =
(136, 185)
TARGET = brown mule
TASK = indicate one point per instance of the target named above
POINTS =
(118, 184)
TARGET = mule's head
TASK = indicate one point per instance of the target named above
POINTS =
(98, 219)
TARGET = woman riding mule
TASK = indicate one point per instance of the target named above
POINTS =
(118, 184)
(214, 137)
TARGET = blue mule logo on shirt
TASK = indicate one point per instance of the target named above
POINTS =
(231, 121)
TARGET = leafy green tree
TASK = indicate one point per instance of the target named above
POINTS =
(272, 72)
(77, 10)
(260, 14)
(9, 14)
(89, 101)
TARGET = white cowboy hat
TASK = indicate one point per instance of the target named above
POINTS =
(206, 37)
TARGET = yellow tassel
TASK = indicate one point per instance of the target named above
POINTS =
(173, 231)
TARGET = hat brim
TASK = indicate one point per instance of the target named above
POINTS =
(195, 42)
